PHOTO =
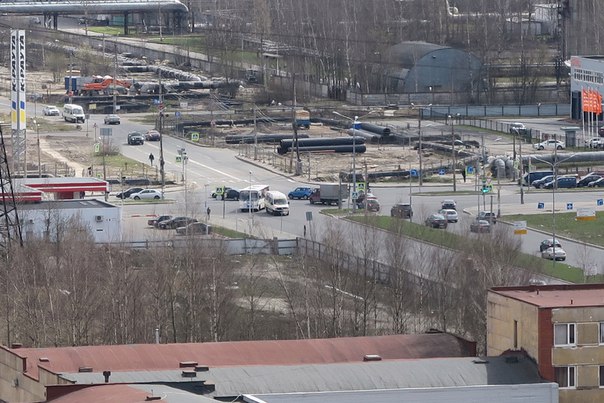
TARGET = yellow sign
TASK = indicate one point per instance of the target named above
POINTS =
(194, 136)
(520, 228)
(586, 214)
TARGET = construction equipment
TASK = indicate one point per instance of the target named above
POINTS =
(105, 84)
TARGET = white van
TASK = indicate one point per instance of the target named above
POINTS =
(276, 203)
(73, 113)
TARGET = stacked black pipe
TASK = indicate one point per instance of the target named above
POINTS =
(324, 144)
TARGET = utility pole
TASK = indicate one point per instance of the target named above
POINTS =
(162, 171)
(454, 153)
(114, 78)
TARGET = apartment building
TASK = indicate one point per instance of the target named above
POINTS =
(560, 326)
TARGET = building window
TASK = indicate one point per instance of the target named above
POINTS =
(565, 376)
(564, 334)
(602, 376)
(601, 332)
(515, 334)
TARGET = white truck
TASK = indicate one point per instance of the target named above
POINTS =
(329, 193)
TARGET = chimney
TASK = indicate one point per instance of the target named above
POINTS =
(15, 346)
(106, 374)
(157, 335)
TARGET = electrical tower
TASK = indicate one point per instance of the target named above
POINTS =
(10, 228)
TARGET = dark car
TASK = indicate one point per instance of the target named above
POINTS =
(601, 131)
(401, 210)
(126, 193)
(176, 222)
(487, 216)
(540, 183)
(372, 205)
(548, 243)
(300, 193)
(154, 221)
(436, 221)
(585, 181)
(562, 182)
(598, 183)
(136, 138)
(152, 135)
(231, 194)
(480, 226)
(448, 204)
(195, 228)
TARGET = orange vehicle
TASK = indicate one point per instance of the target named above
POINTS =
(103, 85)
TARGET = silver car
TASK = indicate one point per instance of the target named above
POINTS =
(112, 120)
(450, 214)
(554, 254)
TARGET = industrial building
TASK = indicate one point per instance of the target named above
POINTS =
(561, 327)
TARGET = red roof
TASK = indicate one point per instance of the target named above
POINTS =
(275, 352)
(108, 394)
(556, 296)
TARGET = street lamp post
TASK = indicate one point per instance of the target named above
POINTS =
(419, 133)
(454, 156)
(38, 141)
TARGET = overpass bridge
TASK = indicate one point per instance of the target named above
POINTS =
(52, 9)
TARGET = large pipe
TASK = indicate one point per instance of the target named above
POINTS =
(548, 159)
(381, 130)
(333, 148)
(260, 138)
(323, 141)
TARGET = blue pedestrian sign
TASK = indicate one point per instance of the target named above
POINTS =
(600, 202)
(413, 172)
(541, 205)
(470, 170)
(441, 171)
(177, 114)
(569, 206)
(156, 101)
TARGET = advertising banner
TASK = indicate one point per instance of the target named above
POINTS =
(17, 93)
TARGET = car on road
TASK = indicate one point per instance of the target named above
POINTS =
(597, 183)
(135, 138)
(595, 142)
(370, 204)
(550, 145)
(146, 195)
(176, 222)
(152, 135)
(554, 254)
(300, 193)
(195, 228)
(539, 183)
(488, 216)
(126, 193)
(450, 214)
(154, 221)
(112, 119)
(601, 131)
(517, 127)
(50, 110)
(448, 204)
(436, 221)
(587, 179)
(401, 210)
(480, 226)
(548, 243)
(230, 194)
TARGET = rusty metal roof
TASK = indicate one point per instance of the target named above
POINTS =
(279, 352)
(556, 296)
(130, 394)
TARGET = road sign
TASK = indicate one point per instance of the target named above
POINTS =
(106, 131)
(309, 216)
(156, 101)
(569, 206)
(540, 205)
(586, 214)
(600, 202)
(413, 172)
(97, 147)
(177, 114)
(194, 136)
(470, 170)
(178, 158)
(520, 227)
(355, 195)
(441, 171)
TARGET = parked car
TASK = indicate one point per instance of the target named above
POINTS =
(548, 243)
(480, 226)
(539, 183)
(488, 216)
(595, 142)
(300, 193)
(586, 180)
(112, 119)
(146, 194)
(562, 182)
(517, 127)
(126, 193)
(50, 110)
(436, 221)
(401, 210)
(598, 183)
(448, 204)
(135, 138)
(601, 131)
(550, 144)
(154, 221)
(230, 194)
(195, 228)
(176, 222)
(450, 214)
(152, 135)
(554, 254)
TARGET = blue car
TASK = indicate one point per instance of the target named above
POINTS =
(300, 193)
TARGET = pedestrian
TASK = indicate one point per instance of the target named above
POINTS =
(463, 174)
(304, 230)
(209, 211)
(151, 158)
